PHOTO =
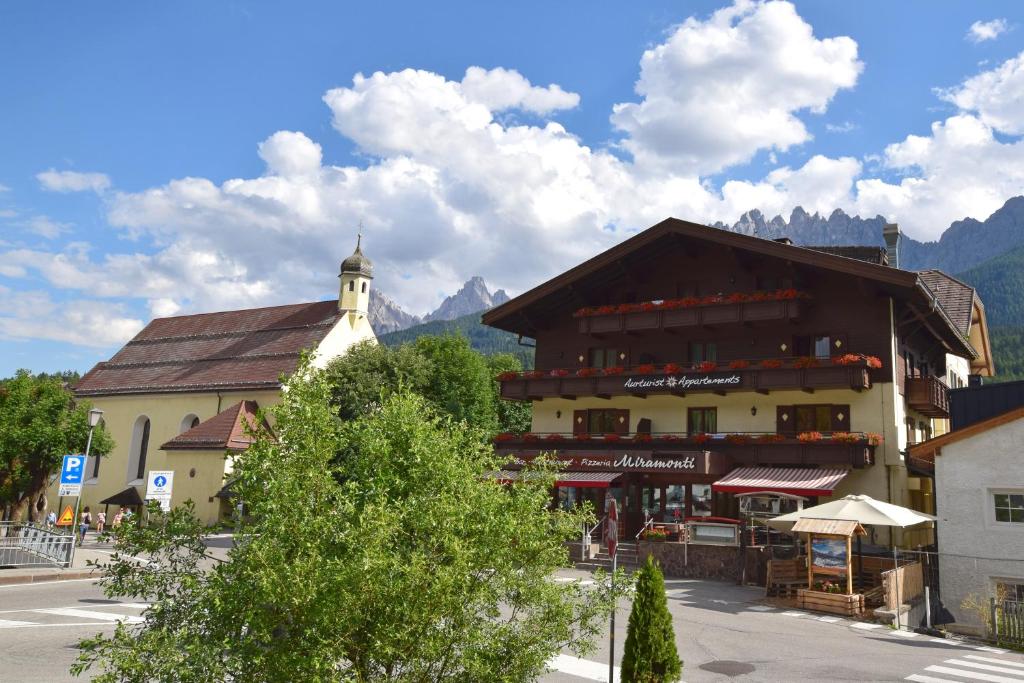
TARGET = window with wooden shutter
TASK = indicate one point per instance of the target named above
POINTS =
(579, 422)
(784, 420)
(621, 421)
(841, 418)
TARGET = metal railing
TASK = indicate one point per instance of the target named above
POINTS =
(24, 544)
(588, 536)
(648, 522)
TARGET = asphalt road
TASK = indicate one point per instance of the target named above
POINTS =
(723, 632)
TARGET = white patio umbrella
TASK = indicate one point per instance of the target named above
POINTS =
(858, 508)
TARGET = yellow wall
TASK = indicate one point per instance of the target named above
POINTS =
(165, 412)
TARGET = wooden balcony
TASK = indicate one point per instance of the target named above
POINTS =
(855, 450)
(928, 396)
(530, 387)
(712, 315)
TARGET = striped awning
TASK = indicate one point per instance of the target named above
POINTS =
(598, 480)
(798, 481)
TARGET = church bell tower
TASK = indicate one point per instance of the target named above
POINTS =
(356, 274)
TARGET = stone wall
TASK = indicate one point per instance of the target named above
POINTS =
(723, 563)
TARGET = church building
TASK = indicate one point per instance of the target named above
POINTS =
(179, 395)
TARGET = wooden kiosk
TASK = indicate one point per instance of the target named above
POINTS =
(829, 566)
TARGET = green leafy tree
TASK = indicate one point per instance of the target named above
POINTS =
(376, 550)
(512, 416)
(41, 422)
(460, 381)
(369, 371)
(650, 654)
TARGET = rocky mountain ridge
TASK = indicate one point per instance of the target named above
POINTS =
(387, 316)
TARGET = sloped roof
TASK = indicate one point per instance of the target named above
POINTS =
(875, 255)
(955, 297)
(227, 430)
(243, 349)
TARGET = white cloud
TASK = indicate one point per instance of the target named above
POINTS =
(717, 91)
(35, 315)
(997, 96)
(4, 188)
(981, 31)
(72, 181)
(499, 89)
(844, 127)
(288, 153)
(44, 226)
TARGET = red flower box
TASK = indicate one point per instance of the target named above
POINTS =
(809, 437)
(505, 436)
(648, 306)
(614, 370)
(739, 364)
(586, 372)
(806, 362)
(771, 438)
(507, 375)
(874, 362)
(530, 437)
(737, 439)
(737, 298)
(707, 366)
(604, 310)
(873, 439)
(687, 302)
(645, 369)
(846, 437)
(559, 372)
(612, 437)
(554, 437)
(583, 436)
(642, 438)
(700, 438)
(771, 363)
(673, 368)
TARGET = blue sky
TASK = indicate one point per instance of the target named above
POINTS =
(582, 123)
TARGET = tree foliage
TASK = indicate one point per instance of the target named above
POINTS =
(456, 381)
(375, 550)
(650, 654)
(41, 422)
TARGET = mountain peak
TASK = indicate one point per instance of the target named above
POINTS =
(471, 298)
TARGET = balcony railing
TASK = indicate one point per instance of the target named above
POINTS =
(755, 448)
(928, 396)
(763, 376)
(708, 311)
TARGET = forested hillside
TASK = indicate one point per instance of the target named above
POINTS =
(1000, 284)
(486, 340)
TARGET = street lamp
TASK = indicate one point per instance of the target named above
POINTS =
(95, 415)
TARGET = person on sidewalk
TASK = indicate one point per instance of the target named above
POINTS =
(101, 521)
(51, 520)
(84, 524)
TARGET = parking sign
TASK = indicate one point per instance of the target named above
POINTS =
(72, 473)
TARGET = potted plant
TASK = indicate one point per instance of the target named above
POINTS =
(530, 437)
(845, 437)
(700, 438)
(505, 436)
(809, 437)
(533, 374)
(873, 439)
(739, 364)
(554, 437)
(642, 438)
(672, 368)
(707, 366)
(655, 534)
(874, 362)
(771, 438)
(582, 436)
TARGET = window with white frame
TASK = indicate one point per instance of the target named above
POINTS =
(1009, 507)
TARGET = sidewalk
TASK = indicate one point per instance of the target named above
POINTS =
(92, 551)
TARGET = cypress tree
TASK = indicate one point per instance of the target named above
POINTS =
(650, 654)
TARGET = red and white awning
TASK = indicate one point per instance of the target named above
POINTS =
(797, 481)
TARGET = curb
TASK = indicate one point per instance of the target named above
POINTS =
(47, 578)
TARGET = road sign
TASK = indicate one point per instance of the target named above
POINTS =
(70, 490)
(72, 471)
(611, 525)
(159, 488)
(67, 517)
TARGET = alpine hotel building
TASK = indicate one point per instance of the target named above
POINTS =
(688, 364)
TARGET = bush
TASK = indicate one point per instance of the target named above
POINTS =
(650, 654)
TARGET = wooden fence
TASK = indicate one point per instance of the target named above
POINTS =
(1008, 622)
(902, 585)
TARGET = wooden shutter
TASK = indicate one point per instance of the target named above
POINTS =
(785, 419)
(621, 421)
(840, 418)
(579, 422)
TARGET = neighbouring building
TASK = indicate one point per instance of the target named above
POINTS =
(180, 394)
(688, 364)
(979, 483)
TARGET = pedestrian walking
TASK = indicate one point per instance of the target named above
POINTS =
(118, 516)
(84, 523)
(51, 519)
(101, 521)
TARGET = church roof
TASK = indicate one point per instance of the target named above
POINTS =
(227, 430)
(246, 349)
(358, 263)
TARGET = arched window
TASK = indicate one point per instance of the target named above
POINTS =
(188, 422)
(364, 288)
(351, 285)
(140, 449)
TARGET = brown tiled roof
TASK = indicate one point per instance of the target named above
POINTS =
(955, 297)
(224, 431)
(247, 349)
(875, 255)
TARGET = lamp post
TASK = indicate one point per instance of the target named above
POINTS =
(95, 415)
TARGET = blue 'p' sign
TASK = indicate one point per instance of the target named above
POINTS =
(72, 471)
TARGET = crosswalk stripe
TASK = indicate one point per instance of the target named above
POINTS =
(905, 634)
(865, 626)
(10, 623)
(761, 608)
(985, 667)
(929, 679)
(995, 650)
(1003, 662)
(582, 668)
(950, 642)
(89, 614)
(972, 675)
(795, 614)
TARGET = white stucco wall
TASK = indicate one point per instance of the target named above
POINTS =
(967, 474)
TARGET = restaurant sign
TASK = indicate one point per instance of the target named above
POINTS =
(695, 462)
(681, 382)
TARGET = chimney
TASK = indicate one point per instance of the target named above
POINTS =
(891, 234)
(783, 240)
